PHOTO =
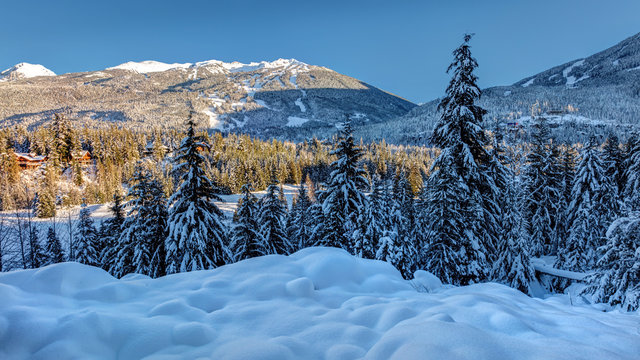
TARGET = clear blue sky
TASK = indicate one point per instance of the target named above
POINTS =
(402, 46)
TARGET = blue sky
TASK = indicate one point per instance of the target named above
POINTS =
(401, 46)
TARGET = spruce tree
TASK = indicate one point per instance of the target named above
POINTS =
(513, 265)
(110, 233)
(404, 226)
(246, 239)
(343, 200)
(632, 174)
(459, 179)
(374, 223)
(53, 248)
(37, 256)
(617, 277)
(587, 231)
(86, 238)
(542, 186)
(298, 230)
(197, 236)
(271, 219)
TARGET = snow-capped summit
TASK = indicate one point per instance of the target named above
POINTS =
(25, 70)
(150, 66)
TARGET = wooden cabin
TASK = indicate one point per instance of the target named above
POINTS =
(29, 161)
(83, 157)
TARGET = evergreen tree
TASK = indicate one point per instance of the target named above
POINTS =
(343, 200)
(86, 238)
(587, 229)
(614, 179)
(446, 230)
(403, 226)
(617, 277)
(46, 203)
(458, 247)
(197, 233)
(156, 227)
(632, 175)
(298, 230)
(374, 222)
(271, 218)
(53, 249)
(37, 256)
(568, 163)
(513, 266)
(542, 183)
(110, 233)
(246, 239)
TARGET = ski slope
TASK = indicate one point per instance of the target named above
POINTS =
(319, 303)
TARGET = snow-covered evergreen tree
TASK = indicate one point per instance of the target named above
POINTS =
(373, 223)
(197, 233)
(343, 199)
(298, 230)
(246, 239)
(404, 226)
(445, 225)
(568, 163)
(513, 265)
(53, 248)
(617, 277)
(272, 218)
(458, 247)
(632, 175)
(110, 232)
(37, 255)
(613, 181)
(86, 238)
(542, 189)
(578, 253)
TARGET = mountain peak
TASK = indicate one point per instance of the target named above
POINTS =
(150, 66)
(25, 70)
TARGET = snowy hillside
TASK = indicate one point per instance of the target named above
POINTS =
(25, 70)
(319, 303)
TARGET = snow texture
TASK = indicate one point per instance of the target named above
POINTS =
(319, 303)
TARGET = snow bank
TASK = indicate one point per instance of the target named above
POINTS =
(318, 303)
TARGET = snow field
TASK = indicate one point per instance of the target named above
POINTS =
(319, 303)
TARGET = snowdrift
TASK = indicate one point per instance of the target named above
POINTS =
(318, 303)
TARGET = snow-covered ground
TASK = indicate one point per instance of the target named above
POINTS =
(319, 303)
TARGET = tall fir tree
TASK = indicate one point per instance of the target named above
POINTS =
(459, 173)
(343, 199)
(86, 238)
(632, 173)
(272, 215)
(197, 236)
(246, 239)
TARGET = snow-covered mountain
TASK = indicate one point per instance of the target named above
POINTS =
(283, 98)
(596, 94)
(25, 70)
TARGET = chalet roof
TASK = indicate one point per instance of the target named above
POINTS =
(31, 157)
